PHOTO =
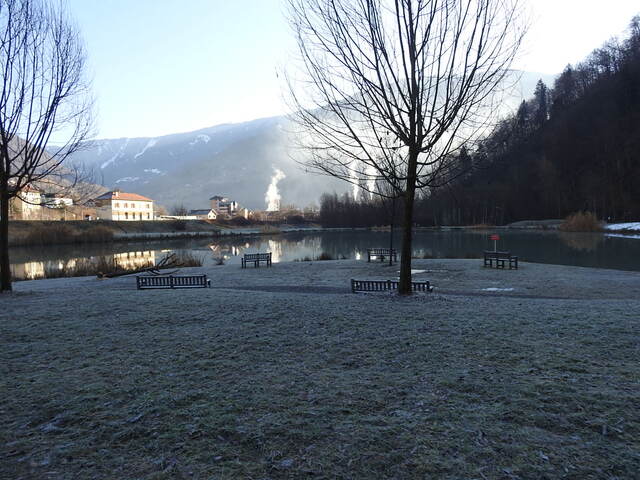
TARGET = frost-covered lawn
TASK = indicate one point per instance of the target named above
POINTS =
(523, 374)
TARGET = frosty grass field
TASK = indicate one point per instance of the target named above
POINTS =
(283, 373)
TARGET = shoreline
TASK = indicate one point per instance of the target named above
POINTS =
(449, 276)
(117, 233)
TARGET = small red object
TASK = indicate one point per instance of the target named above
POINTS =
(494, 237)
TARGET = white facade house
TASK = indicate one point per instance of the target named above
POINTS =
(26, 205)
(117, 205)
(204, 214)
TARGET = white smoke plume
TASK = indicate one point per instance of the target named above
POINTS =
(272, 197)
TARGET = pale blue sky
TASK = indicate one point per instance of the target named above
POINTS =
(167, 66)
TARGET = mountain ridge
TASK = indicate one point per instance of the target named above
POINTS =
(237, 160)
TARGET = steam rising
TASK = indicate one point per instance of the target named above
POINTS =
(272, 197)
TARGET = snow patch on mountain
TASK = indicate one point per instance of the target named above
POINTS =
(127, 179)
(202, 138)
(154, 170)
(118, 154)
(149, 144)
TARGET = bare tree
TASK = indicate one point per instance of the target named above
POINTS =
(43, 98)
(391, 89)
(179, 210)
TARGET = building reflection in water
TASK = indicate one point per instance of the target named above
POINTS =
(28, 271)
(135, 260)
(224, 251)
(275, 247)
(82, 266)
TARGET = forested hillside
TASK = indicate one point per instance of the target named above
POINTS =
(573, 146)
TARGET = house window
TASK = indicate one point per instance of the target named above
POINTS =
(116, 205)
(148, 216)
(125, 205)
(126, 214)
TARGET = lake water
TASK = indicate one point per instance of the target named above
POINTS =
(580, 249)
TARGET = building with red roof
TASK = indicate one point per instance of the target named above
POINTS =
(118, 205)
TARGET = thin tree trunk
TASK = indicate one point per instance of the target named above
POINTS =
(393, 214)
(5, 271)
(404, 287)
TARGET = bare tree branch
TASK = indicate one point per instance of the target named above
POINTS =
(389, 90)
(44, 98)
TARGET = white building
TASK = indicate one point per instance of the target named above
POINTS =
(26, 205)
(205, 214)
(117, 205)
(223, 206)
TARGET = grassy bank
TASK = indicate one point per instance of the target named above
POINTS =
(24, 233)
(274, 377)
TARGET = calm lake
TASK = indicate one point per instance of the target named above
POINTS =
(580, 249)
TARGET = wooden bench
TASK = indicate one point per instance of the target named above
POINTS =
(256, 258)
(385, 285)
(172, 281)
(382, 253)
(500, 259)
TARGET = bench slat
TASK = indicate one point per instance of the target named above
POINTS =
(382, 253)
(172, 281)
(500, 259)
(385, 285)
(256, 258)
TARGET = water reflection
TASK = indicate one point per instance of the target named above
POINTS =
(28, 270)
(588, 242)
(589, 250)
(133, 260)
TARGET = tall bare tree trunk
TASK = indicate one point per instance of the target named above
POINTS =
(404, 288)
(5, 270)
(391, 224)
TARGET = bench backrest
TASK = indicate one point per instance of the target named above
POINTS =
(257, 256)
(380, 251)
(171, 281)
(492, 253)
(383, 285)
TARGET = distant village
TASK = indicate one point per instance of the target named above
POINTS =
(33, 204)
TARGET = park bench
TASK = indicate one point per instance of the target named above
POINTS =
(384, 285)
(500, 259)
(382, 253)
(172, 281)
(256, 258)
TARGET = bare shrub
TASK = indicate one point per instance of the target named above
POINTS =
(581, 222)
(185, 259)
